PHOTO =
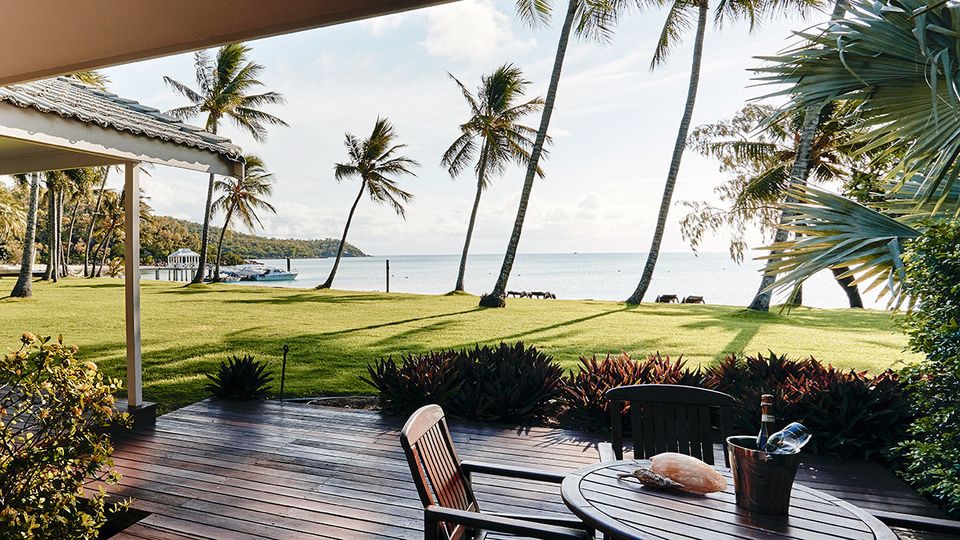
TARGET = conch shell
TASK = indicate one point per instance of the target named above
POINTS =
(678, 471)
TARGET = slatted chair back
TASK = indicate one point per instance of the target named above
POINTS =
(670, 418)
(435, 466)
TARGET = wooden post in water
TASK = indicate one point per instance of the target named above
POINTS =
(288, 264)
(388, 275)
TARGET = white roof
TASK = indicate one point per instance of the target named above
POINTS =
(183, 252)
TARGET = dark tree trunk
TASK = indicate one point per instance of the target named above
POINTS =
(223, 232)
(93, 222)
(48, 272)
(848, 286)
(204, 235)
(73, 221)
(343, 241)
(495, 298)
(481, 175)
(678, 148)
(24, 286)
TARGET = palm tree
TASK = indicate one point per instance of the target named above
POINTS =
(224, 86)
(760, 154)
(679, 19)
(591, 19)
(55, 182)
(24, 286)
(493, 125)
(907, 109)
(243, 197)
(375, 161)
(12, 217)
(88, 247)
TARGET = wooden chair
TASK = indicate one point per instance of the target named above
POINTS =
(668, 418)
(450, 508)
(667, 299)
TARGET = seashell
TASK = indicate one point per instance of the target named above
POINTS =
(694, 475)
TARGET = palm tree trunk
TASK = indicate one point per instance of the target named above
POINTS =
(51, 216)
(223, 231)
(849, 287)
(61, 264)
(204, 235)
(73, 221)
(678, 148)
(343, 241)
(496, 297)
(481, 176)
(24, 286)
(798, 174)
(93, 222)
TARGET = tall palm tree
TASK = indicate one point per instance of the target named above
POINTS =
(242, 198)
(907, 108)
(88, 246)
(494, 127)
(24, 286)
(680, 17)
(375, 161)
(759, 154)
(224, 85)
(590, 19)
(55, 182)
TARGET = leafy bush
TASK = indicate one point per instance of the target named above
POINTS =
(240, 378)
(932, 455)
(850, 414)
(505, 383)
(746, 378)
(419, 379)
(54, 409)
(584, 391)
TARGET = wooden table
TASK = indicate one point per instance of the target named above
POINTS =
(626, 509)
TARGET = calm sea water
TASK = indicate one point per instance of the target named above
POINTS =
(598, 276)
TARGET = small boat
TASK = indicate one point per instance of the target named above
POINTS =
(274, 274)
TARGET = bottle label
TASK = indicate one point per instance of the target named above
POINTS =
(767, 418)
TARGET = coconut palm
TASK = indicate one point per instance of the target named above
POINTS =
(494, 131)
(241, 198)
(24, 286)
(88, 245)
(376, 162)
(592, 20)
(880, 57)
(224, 85)
(681, 16)
(759, 154)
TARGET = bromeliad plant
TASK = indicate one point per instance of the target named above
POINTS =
(417, 380)
(240, 378)
(54, 411)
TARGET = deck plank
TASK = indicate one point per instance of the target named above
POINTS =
(270, 470)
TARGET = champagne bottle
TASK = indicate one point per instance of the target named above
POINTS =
(766, 420)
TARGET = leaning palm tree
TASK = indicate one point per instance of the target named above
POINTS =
(590, 19)
(24, 286)
(376, 162)
(103, 174)
(241, 198)
(680, 17)
(494, 130)
(224, 86)
(880, 57)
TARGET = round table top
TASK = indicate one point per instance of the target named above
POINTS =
(627, 509)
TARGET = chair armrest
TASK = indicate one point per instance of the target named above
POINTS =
(493, 523)
(572, 522)
(918, 523)
(606, 452)
(512, 471)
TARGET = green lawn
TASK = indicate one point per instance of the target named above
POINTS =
(334, 334)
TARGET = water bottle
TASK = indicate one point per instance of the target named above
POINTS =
(788, 440)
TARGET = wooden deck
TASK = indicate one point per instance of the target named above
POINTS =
(271, 470)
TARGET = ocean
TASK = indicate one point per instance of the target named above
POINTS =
(596, 276)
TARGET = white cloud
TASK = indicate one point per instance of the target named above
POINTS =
(472, 29)
(381, 26)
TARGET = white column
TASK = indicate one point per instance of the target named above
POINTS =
(131, 273)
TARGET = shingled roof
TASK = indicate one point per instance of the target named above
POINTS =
(72, 99)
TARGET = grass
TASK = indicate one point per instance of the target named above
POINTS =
(334, 334)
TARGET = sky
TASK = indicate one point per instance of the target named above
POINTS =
(614, 128)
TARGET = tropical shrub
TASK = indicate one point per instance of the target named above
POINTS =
(240, 378)
(746, 378)
(851, 414)
(584, 391)
(419, 379)
(932, 454)
(506, 383)
(54, 409)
